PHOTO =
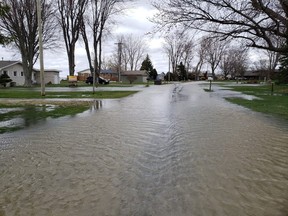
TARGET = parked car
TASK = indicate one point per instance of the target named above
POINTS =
(101, 80)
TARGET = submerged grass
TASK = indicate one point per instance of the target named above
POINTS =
(31, 114)
(274, 103)
(22, 107)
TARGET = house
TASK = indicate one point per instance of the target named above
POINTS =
(134, 76)
(105, 73)
(109, 74)
(14, 69)
(258, 75)
(82, 75)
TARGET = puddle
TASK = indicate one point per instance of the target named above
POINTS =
(226, 92)
(14, 122)
(7, 110)
(20, 117)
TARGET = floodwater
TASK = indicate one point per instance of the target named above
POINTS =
(166, 151)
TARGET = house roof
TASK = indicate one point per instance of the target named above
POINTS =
(108, 71)
(5, 64)
(103, 71)
(48, 70)
(135, 73)
(84, 71)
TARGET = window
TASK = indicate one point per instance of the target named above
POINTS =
(15, 73)
(22, 74)
(5, 72)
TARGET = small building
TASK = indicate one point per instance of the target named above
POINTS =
(139, 76)
(51, 76)
(14, 69)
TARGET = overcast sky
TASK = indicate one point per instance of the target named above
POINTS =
(134, 21)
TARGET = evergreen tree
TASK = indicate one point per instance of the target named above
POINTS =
(153, 74)
(182, 72)
(147, 64)
(4, 79)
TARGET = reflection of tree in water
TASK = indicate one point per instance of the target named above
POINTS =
(97, 105)
(32, 115)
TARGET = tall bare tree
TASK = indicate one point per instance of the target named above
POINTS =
(234, 62)
(70, 18)
(20, 24)
(188, 54)
(258, 22)
(133, 52)
(200, 54)
(97, 20)
(215, 50)
(178, 46)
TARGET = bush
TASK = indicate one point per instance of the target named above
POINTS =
(4, 79)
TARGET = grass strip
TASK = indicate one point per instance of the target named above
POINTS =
(30, 94)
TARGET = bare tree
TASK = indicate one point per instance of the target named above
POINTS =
(234, 62)
(201, 52)
(20, 24)
(215, 50)
(269, 60)
(188, 54)
(258, 22)
(70, 19)
(178, 46)
(133, 52)
(97, 19)
(267, 64)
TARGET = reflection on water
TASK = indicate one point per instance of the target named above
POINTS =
(17, 118)
(163, 151)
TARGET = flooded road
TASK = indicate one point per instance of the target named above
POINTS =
(166, 151)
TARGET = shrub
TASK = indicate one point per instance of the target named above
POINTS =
(4, 79)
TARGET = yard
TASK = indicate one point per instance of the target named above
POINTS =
(273, 98)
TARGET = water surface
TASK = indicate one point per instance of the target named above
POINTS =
(168, 150)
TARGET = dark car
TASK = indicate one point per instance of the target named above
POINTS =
(101, 80)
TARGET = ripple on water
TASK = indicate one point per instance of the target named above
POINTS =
(149, 155)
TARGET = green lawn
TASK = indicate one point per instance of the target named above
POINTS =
(30, 94)
(274, 103)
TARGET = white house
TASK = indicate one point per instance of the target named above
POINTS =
(14, 70)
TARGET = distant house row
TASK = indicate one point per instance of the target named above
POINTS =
(125, 76)
(14, 69)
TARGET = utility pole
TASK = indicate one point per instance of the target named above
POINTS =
(40, 48)
(119, 60)
(169, 68)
